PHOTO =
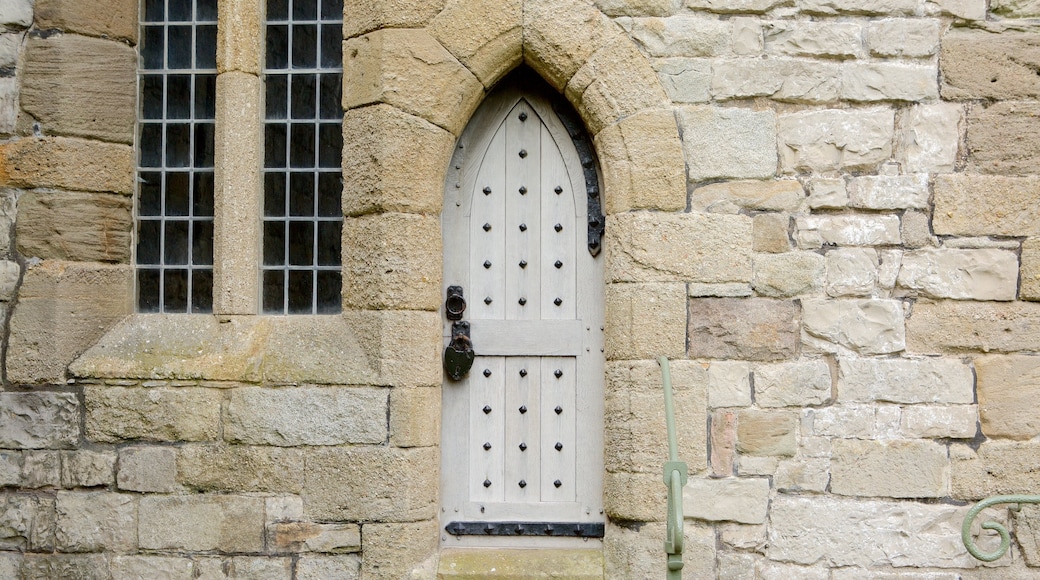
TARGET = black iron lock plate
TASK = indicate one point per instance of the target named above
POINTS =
(458, 356)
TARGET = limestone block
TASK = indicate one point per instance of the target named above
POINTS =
(742, 536)
(866, 533)
(740, 565)
(732, 499)
(317, 567)
(166, 567)
(85, 468)
(616, 8)
(311, 537)
(27, 522)
(928, 138)
(889, 192)
(803, 475)
(814, 39)
(73, 226)
(41, 566)
(946, 422)
(747, 36)
(978, 205)
(10, 468)
(39, 420)
(686, 80)
(729, 289)
(851, 229)
(978, 64)
(681, 35)
(949, 325)
(767, 433)
(361, 16)
(728, 142)
(411, 71)
(645, 321)
(575, 563)
(18, 13)
(986, 274)
(239, 468)
(616, 82)
(407, 345)
(996, 468)
(108, 19)
(862, 574)
(283, 508)
(96, 521)
(659, 247)
(635, 421)
(782, 79)
(1027, 532)
(239, 38)
(916, 230)
(415, 417)
(769, 233)
(903, 37)
(743, 328)
(828, 193)
(394, 550)
(1016, 8)
(833, 139)
(484, 35)
(742, 6)
(1029, 288)
(723, 448)
(863, 326)
(964, 9)
(889, 81)
(889, 468)
(873, 7)
(10, 47)
(851, 271)
(732, 196)
(639, 497)
(384, 267)
(557, 42)
(293, 416)
(152, 414)
(1007, 391)
(9, 86)
(243, 567)
(41, 469)
(370, 483)
(729, 384)
(1001, 140)
(226, 523)
(72, 164)
(642, 161)
(922, 380)
(792, 384)
(147, 469)
(788, 274)
(80, 86)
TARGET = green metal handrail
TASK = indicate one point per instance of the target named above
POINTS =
(676, 473)
(1005, 537)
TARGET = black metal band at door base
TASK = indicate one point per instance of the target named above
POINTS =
(557, 529)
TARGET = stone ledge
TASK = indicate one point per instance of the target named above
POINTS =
(520, 564)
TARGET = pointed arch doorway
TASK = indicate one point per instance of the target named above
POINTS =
(522, 432)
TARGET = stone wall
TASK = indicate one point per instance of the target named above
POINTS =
(824, 211)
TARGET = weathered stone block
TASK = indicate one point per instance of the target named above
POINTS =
(46, 566)
(847, 229)
(18, 13)
(638, 7)
(96, 522)
(165, 567)
(814, 39)
(406, 346)
(788, 274)
(639, 497)
(956, 326)
(996, 468)
(415, 417)
(1008, 387)
(889, 192)
(977, 205)
(311, 537)
(484, 35)
(1001, 139)
(769, 233)
(889, 81)
(681, 35)
(84, 468)
(635, 551)
(41, 469)
(27, 522)
(851, 271)
(410, 70)
(384, 267)
(835, 139)
(863, 326)
(916, 230)
(80, 86)
(744, 500)
(363, 16)
(239, 468)
(645, 321)
(928, 138)
(767, 433)
(147, 469)
(319, 567)
(579, 564)
(964, 9)
(733, 196)
(749, 329)
(877, 7)
(395, 550)
(907, 38)
(39, 420)
(753, 6)
(266, 568)
(557, 42)
(729, 384)
(910, 381)
(646, 168)
(370, 483)
(1027, 532)
(781, 79)
(79, 227)
(961, 274)
(1029, 284)
(225, 523)
(728, 142)
(747, 36)
(72, 164)
(889, 468)
(686, 80)
(292, 416)
(812, 474)
(792, 384)
(656, 247)
(392, 161)
(1016, 8)
(828, 193)
(152, 414)
(106, 18)
(723, 449)
(932, 422)
(978, 64)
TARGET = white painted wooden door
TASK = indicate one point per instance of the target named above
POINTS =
(522, 433)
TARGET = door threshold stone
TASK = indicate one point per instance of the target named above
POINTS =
(520, 564)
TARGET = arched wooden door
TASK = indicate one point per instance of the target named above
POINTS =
(522, 453)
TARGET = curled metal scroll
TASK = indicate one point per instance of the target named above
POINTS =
(1005, 537)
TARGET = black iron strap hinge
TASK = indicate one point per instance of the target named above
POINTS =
(575, 530)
